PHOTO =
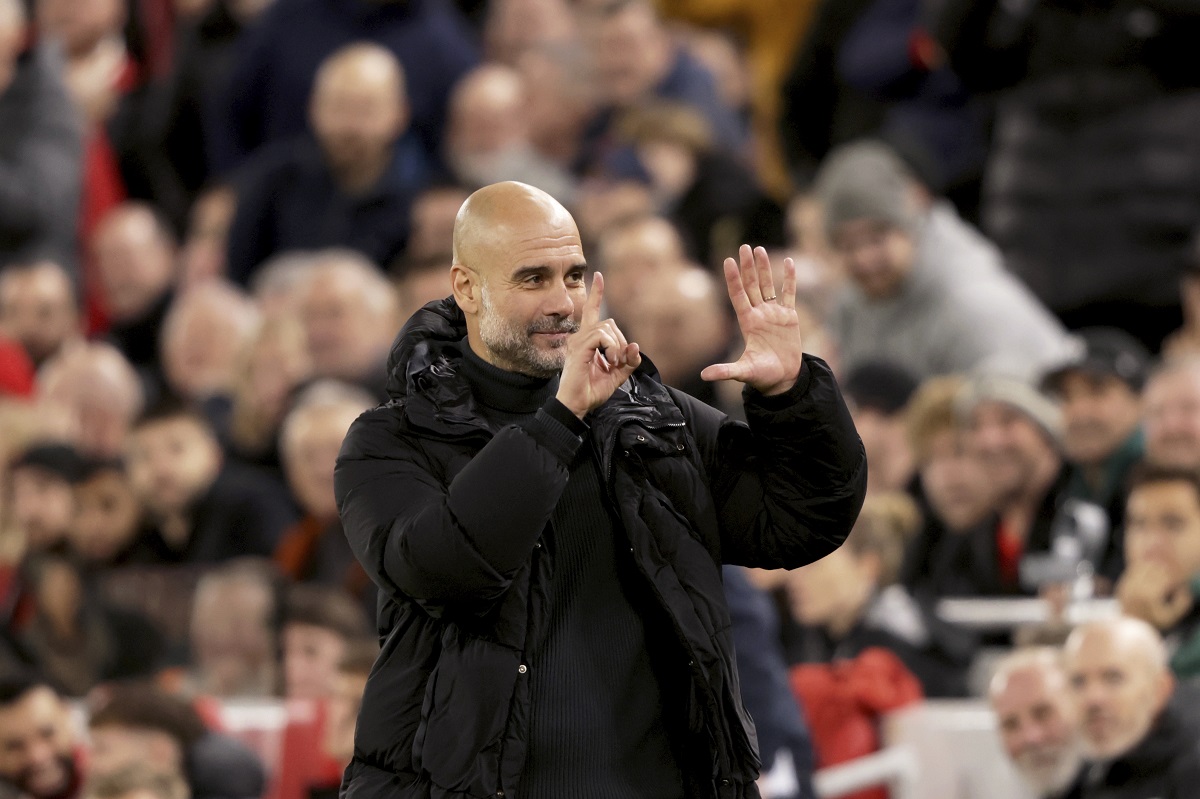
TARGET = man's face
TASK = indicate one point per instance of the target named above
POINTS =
(357, 121)
(636, 256)
(43, 504)
(344, 338)
(172, 462)
(877, 256)
(1162, 526)
(1039, 727)
(135, 265)
(1100, 412)
(79, 24)
(200, 350)
(310, 661)
(106, 515)
(231, 637)
(36, 745)
(1119, 692)
(830, 590)
(1172, 407)
(629, 54)
(955, 481)
(310, 453)
(678, 318)
(532, 298)
(1008, 443)
(37, 308)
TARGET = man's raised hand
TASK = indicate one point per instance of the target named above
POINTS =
(599, 359)
(769, 323)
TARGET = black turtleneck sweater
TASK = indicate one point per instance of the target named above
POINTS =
(596, 725)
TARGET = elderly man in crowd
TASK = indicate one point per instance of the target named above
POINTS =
(204, 334)
(41, 147)
(91, 395)
(1039, 722)
(926, 290)
(1172, 413)
(488, 136)
(352, 186)
(1161, 581)
(348, 309)
(1135, 726)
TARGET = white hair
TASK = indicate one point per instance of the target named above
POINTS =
(355, 269)
(327, 396)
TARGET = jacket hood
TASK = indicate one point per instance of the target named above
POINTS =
(431, 338)
(420, 343)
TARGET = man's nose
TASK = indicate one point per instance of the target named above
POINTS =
(559, 302)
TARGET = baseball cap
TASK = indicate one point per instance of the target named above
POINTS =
(1104, 351)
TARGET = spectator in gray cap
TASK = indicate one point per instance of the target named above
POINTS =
(1017, 433)
(926, 290)
(1100, 393)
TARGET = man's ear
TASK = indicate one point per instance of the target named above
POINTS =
(466, 287)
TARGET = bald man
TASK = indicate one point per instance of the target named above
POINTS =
(488, 138)
(545, 521)
(681, 317)
(1139, 733)
(1038, 721)
(350, 184)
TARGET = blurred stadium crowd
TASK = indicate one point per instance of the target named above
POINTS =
(215, 215)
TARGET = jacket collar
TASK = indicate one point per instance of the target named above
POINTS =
(424, 377)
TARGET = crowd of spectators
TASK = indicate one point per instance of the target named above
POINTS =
(215, 215)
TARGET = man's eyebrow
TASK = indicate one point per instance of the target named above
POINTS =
(540, 269)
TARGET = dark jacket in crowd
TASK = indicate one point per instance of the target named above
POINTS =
(1092, 189)
(220, 767)
(41, 162)
(448, 515)
(188, 103)
(288, 199)
(869, 68)
(244, 512)
(762, 669)
(1165, 765)
(937, 653)
(271, 81)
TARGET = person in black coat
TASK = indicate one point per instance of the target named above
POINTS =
(1140, 731)
(546, 522)
(201, 508)
(350, 184)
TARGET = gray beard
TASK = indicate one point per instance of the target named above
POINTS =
(514, 347)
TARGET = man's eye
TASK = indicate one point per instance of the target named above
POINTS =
(575, 277)
(534, 279)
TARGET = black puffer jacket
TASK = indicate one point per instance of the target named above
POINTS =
(1093, 185)
(446, 516)
(1165, 765)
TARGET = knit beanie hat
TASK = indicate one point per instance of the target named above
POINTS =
(1015, 393)
(866, 180)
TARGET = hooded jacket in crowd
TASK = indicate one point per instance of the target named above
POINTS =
(456, 519)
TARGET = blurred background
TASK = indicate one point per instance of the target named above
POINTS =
(215, 215)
